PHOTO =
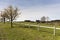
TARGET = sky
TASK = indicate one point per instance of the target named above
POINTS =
(34, 9)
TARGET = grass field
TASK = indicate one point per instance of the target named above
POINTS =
(43, 24)
(23, 32)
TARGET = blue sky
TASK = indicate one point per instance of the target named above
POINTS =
(34, 9)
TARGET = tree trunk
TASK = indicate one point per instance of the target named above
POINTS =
(4, 20)
(11, 22)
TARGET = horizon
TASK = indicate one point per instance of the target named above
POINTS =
(34, 9)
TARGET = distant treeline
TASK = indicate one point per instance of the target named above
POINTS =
(42, 21)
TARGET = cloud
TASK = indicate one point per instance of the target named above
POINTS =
(36, 12)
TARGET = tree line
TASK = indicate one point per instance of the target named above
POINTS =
(43, 19)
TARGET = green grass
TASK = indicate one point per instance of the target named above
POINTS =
(35, 23)
(43, 24)
(23, 32)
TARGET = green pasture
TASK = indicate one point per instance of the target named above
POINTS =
(24, 32)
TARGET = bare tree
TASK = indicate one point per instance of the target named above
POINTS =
(43, 19)
(11, 13)
(47, 19)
